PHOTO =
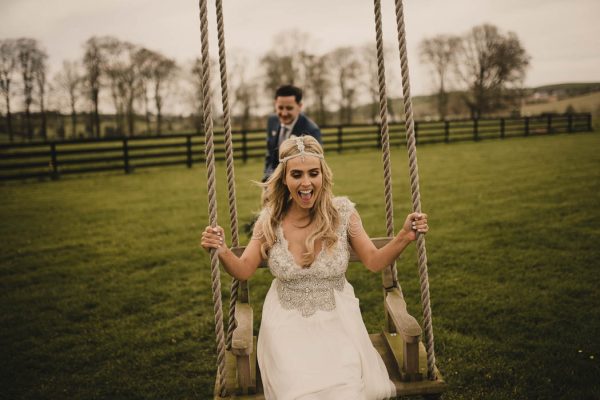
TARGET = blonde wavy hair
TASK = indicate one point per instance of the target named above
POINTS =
(276, 201)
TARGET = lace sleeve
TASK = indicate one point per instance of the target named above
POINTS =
(355, 226)
(257, 230)
(257, 233)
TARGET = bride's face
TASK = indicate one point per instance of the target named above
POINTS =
(304, 180)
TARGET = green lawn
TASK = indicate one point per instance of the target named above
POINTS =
(105, 294)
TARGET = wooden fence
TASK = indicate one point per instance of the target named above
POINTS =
(55, 158)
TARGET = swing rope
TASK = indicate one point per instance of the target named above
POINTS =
(414, 185)
(385, 141)
(212, 198)
(235, 284)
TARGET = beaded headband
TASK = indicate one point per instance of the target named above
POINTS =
(301, 153)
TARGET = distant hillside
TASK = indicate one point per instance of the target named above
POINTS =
(560, 98)
(585, 103)
(423, 107)
(568, 89)
(580, 97)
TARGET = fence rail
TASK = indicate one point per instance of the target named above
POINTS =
(52, 159)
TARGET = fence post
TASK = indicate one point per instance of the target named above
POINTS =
(446, 131)
(244, 145)
(526, 126)
(125, 156)
(53, 162)
(570, 123)
(589, 122)
(340, 141)
(502, 129)
(379, 136)
(188, 141)
(549, 124)
(475, 129)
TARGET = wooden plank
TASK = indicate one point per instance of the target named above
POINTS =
(405, 324)
(242, 347)
(242, 397)
(231, 382)
(393, 348)
(423, 387)
(405, 356)
(243, 373)
(411, 361)
(241, 342)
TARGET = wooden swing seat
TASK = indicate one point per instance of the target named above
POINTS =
(400, 348)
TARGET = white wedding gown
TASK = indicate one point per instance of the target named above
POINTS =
(313, 343)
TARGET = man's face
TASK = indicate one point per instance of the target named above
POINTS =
(287, 109)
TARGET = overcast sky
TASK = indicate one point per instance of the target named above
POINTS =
(562, 36)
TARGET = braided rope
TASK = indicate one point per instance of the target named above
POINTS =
(235, 284)
(414, 185)
(385, 134)
(212, 197)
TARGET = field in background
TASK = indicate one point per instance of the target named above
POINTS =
(585, 103)
(106, 295)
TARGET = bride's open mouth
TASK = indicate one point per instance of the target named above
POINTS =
(305, 195)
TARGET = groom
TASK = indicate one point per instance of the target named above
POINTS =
(288, 120)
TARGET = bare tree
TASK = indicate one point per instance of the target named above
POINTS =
(162, 74)
(121, 71)
(245, 91)
(8, 66)
(440, 52)
(318, 83)
(115, 68)
(130, 86)
(245, 95)
(29, 54)
(279, 69)
(93, 61)
(39, 75)
(198, 96)
(144, 63)
(155, 73)
(70, 80)
(492, 67)
(284, 63)
(371, 82)
(370, 78)
(347, 67)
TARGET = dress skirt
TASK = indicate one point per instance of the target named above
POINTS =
(327, 355)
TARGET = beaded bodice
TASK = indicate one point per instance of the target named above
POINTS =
(310, 289)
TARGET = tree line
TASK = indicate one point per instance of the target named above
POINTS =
(131, 75)
(485, 66)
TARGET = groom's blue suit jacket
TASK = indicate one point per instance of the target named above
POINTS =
(304, 126)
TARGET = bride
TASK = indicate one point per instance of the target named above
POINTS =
(312, 343)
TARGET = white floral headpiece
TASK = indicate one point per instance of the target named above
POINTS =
(301, 153)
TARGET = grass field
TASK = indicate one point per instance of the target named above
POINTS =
(105, 294)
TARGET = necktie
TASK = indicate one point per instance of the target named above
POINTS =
(282, 135)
